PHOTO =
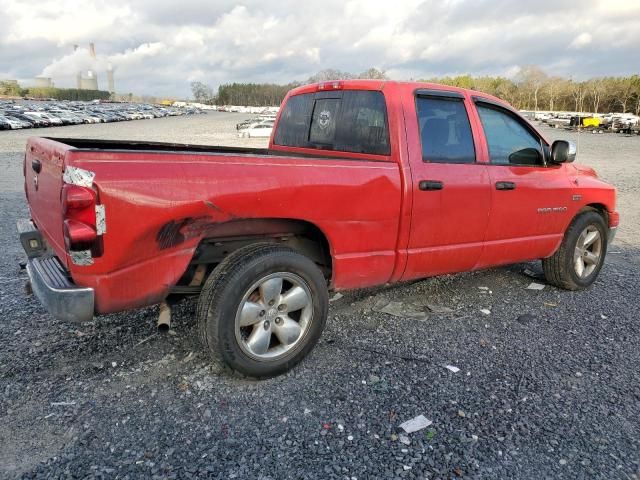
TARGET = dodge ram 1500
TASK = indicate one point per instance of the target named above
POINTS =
(363, 183)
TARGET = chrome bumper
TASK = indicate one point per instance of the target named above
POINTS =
(54, 287)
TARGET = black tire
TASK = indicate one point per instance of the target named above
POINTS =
(224, 290)
(559, 269)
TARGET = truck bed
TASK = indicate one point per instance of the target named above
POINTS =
(161, 200)
(133, 145)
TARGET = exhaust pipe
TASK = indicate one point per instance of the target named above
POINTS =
(164, 318)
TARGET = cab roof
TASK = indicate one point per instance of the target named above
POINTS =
(382, 84)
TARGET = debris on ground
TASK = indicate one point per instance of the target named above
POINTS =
(144, 340)
(486, 311)
(415, 424)
(188, 358)
(62, 404)
(404, 439)
(439, 308)
(336, 297)
(402, 310)
(550, 304)
(535, 286)
(452, 368)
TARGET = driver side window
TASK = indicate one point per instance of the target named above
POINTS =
(510, 143)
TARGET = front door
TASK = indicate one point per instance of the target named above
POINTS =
(451, 191)
(530, 204)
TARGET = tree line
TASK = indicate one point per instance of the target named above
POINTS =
(531, 89)
(15, 90)
(267, 94)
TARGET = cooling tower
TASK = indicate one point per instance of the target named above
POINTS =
(42, 82)
(89, 82)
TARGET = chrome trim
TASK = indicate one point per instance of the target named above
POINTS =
(51, 282)
(71, 304)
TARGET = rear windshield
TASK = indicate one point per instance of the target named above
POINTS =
(347, 121)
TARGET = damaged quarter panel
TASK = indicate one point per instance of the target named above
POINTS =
(159, 206)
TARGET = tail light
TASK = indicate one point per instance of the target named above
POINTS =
(79, 212)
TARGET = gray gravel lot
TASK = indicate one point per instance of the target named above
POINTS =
(548, 387)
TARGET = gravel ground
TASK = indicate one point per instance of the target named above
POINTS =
(548, 387)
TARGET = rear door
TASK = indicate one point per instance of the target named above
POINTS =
(530, 198)
(451, 193)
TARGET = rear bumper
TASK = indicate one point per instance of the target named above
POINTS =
(52, 284)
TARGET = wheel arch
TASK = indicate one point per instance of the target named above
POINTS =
(598, 208)
(226, 237)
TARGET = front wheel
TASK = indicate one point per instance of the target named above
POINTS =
(262, 310)
(577, 262)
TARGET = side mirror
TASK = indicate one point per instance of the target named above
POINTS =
(563, 151)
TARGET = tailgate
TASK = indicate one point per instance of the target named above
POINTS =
(43, 168)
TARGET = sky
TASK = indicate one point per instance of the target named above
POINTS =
(159, 47)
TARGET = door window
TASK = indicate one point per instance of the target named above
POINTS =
(509, 141)
(445, 131)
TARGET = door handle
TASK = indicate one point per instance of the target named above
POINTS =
(505, 186)
(430, 185)
(36, 165)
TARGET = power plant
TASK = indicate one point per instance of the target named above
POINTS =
(44, 82)
(87, 77)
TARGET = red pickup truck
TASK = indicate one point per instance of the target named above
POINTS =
(364, 183)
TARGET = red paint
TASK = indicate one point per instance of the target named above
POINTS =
(380, 227)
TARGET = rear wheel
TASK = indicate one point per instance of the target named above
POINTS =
(579, 259)
(262, 310)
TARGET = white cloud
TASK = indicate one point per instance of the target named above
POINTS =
(159, 47)
(581, 40)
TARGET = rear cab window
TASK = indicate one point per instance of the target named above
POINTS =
(445, 131)
(345, 121)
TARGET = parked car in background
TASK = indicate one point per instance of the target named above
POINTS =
(260, 129)
(31, 113)
(4, 123)
(25, 123)
(14, 123)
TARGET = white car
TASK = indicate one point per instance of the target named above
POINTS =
(257, 130)
(53, 119)
(13, 123)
